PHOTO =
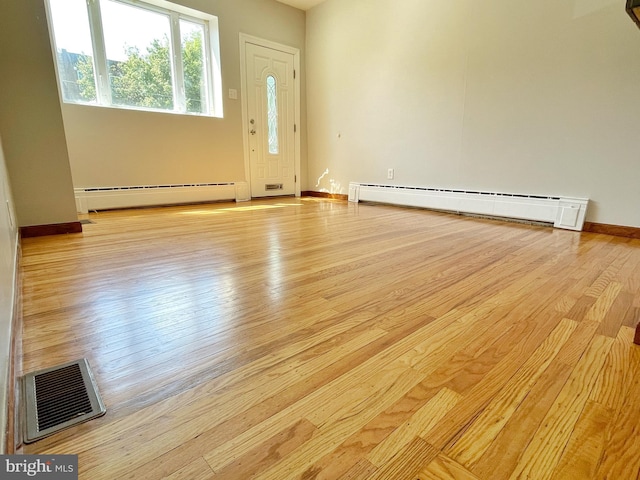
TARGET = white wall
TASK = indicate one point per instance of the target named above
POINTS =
(520, 97)
(114, 147)
(8, 249)
(30, 119)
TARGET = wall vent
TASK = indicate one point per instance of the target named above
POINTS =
(561, 212)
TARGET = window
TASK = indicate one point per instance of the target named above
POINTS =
(144, 55)
(272, 114)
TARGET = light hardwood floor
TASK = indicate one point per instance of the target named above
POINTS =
(311, 338)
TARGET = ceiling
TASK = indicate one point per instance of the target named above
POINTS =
(302, 4)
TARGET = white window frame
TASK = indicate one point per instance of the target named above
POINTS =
(175, 12)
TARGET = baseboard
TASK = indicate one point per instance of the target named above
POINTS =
(14, 437)
(9, 419)
(117, 197)
(335, 196)
(560, 211)
(53, 229)
(615, 230)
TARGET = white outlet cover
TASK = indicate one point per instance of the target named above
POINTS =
(233, 94)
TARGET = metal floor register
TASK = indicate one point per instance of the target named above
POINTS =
(59, 397)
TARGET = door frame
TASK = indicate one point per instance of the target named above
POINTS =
(244, 40)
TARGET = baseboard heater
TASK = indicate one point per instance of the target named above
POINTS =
(561, 212)
(106, 198)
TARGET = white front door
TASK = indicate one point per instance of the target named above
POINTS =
(270, 120)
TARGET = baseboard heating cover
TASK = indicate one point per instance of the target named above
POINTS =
(561, 212)
(106, 198)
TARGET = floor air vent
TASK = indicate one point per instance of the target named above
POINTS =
(58, 398)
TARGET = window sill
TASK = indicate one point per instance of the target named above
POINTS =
(145, 110)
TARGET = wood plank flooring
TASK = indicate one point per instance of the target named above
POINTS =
(316, 339)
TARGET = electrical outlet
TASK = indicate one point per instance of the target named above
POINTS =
(390, 173)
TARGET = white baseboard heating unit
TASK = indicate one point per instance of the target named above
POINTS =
(106, 198)
(561, 212)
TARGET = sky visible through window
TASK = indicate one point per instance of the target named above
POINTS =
(134, 27)
(121, 54)
(69, 18)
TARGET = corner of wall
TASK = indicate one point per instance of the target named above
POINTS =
(9, 313)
